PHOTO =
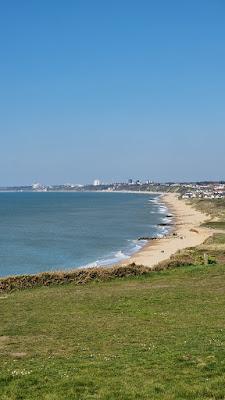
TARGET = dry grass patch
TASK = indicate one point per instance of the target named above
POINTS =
(77, 276)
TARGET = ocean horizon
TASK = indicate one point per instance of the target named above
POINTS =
(56, 231)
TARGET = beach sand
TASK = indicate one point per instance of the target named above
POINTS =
(185, 220)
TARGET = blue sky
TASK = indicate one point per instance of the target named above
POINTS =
(111, 90)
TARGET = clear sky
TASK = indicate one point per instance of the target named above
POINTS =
(111, 90)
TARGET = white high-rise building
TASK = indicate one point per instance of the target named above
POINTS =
(97, 182)
(36, 186)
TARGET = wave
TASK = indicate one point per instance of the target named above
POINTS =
(135, 245)
(162, 209)
(155, 200)
(166, 220)
(117, 256)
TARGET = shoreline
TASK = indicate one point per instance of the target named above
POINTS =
(186, 232)
(82, 191)
(141, 243)
(111, 258)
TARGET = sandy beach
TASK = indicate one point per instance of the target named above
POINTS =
(186, 232)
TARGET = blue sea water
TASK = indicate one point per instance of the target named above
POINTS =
(51, 231)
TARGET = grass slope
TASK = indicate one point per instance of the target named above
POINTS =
(160, 336)
(215, 224)
(213, 207)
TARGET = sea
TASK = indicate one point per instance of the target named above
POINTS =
(56, 231)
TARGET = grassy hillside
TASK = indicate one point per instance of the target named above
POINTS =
(157, 336)
(214, 208)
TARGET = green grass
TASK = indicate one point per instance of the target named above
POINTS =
(215, 224)
(160, 336)
(216, 239)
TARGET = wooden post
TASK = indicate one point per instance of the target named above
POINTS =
(206, 259)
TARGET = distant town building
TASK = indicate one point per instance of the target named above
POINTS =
(37, 187)
(97, 182)
(130, 181)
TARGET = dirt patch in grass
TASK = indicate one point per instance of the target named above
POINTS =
(4, 340)
(18, 354)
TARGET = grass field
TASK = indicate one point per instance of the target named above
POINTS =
(160, 336)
